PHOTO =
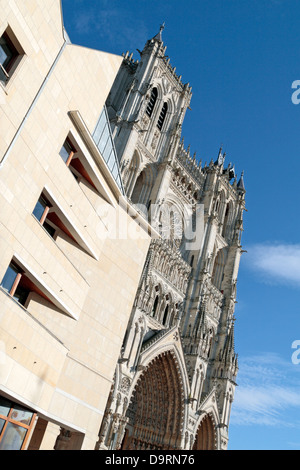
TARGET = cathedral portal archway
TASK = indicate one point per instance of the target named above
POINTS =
(156, 411)
(206, 435)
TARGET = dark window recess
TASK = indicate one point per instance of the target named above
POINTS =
(48, 216)
(41, 207)
(152, 102)
(73, 160)
(41, 212)
(165, 315)
(8, 56)
(13, 283)
(162, 116)
(10, 277)
(19, 285)
(67, 152)
(21, 294)
(50, 229)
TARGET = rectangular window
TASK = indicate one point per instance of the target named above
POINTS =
(56, 221)
(10, 52)
(23, 285)
(14, 282)
(73, 159)
(67, 152)
(16, 423)
(41, 213)
(10, 277)
(41, 209)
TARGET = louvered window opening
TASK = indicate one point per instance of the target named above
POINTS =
(162, 116)
(152, 102)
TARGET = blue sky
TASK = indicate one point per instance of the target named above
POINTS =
(241, 58)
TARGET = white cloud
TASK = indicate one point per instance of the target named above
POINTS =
(276, 262)
(268, 392)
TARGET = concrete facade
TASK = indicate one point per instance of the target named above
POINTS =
(59, 348)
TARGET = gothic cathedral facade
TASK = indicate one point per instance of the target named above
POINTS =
(175, 380)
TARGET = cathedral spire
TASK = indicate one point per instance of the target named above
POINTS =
(221, 158)
(158, 36)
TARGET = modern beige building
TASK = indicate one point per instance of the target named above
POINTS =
(72, 249)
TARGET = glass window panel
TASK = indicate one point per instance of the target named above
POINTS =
(65, 151)
(103, 140)
(115, 172)
(6, 53)
(2, 422)
(22, 415)
(99, 129)
(3, 55)
(107, 150)
(39, 208)
(13, 437)
(5, 406)
(9, 278)
(109, 158)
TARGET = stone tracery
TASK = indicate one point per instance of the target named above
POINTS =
(156, 409)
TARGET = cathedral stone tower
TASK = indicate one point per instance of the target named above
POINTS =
(175, 380)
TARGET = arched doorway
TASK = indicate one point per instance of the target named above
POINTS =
(206, 435)
(155, 413)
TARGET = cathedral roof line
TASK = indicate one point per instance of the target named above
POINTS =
(192, 164)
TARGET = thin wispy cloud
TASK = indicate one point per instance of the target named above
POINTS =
(268, 390)
(107, 21)
(276, 262)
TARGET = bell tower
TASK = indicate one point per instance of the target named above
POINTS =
(208, 319)
(146, 120)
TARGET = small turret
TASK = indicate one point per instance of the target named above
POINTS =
(241, 185)
(229, 357)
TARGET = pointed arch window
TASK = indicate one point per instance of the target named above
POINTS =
(165, 315)
(227, 219)
(155, 305)
(152, 102)
(218, 269)
(162, 116)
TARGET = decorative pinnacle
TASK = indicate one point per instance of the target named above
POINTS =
(158, 36)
